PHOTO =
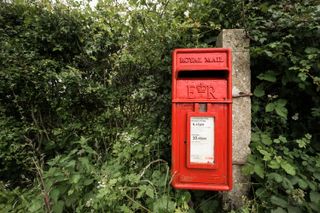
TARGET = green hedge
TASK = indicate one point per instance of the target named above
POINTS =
(85, 103)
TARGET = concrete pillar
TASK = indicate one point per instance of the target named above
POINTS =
(237, 40)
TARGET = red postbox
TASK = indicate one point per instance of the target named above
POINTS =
(201, 119)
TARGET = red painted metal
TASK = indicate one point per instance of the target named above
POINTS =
(202, 76)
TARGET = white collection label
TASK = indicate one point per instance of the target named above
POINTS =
(201, 140)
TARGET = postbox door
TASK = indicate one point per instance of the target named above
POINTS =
(191, 170)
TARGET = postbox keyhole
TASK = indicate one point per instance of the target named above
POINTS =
(202, 107)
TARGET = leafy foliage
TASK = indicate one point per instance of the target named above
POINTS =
(285, 139)
(85, 103)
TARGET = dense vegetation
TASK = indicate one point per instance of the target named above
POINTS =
(85, 103)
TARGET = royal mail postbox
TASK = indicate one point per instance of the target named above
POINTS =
(201, 119)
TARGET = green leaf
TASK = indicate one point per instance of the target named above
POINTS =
(164, 204)
(302, 76)
(266, 155)
(270, 107)
(278, 210)
(268, 76)
(58, 207)
(266, 139)
(315, 207)
(247, 169)
(85, 163)
(276, 177)
(35, 205)
(149, 192)
(288, 168)
(273, 164)
(311, 50)
(281, 102)
(260, 192)
(294, 209)
(113, 181)
(88, 181)
(283, 139)
(255, 136)
(54, 194)
(268, 53)
(303, 184)
(278, 201)
(259, 91)
(294, 180)
(276, 141)
(75, 178)
(316, 175)
(71, 163)
(281, 111)
(259, 170)
(315, 197)
(286, 183)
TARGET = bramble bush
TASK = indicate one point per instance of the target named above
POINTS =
(85, 103)
(285, 159)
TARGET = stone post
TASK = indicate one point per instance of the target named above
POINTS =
(237, 40)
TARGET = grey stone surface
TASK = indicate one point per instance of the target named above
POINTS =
(237, 40)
